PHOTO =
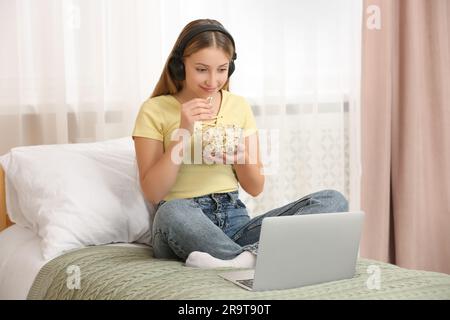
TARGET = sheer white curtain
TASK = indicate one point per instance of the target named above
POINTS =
(78, 70)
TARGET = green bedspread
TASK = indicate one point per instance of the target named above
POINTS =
(117, 272)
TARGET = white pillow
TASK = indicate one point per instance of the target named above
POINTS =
(12, 200)
(74, 195)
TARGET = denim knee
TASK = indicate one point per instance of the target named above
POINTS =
(336, 200)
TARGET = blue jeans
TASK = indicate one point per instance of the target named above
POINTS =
(219, 224)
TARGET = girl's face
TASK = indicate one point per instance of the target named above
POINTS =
(206, 72)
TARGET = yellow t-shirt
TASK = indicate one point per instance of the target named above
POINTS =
(160, 116)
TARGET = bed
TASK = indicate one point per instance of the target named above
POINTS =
(127, 270)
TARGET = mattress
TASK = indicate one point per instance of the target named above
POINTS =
(129, 271)
(21, 260)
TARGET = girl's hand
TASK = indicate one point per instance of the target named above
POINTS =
(195, 110)
(239, 156)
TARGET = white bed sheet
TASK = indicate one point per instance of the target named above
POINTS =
(20, 261)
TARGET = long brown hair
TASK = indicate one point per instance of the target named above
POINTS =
(166, 84)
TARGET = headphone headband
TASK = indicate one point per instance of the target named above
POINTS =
(199, 29)
(176, 65)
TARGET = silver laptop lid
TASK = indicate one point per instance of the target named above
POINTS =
(301, 250)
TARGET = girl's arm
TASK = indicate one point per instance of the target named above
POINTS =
(157, 171)
(250, 175)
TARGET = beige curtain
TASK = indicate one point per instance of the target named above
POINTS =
(406, 133)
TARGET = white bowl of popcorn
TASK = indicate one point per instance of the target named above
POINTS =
(218, 140)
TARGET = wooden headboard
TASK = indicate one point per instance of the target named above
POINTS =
(4, 220)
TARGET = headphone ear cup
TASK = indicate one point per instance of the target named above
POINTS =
(176, 69)
(231, 68)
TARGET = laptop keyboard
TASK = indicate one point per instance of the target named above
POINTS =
(246, 282)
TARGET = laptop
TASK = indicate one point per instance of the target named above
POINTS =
(302, 250)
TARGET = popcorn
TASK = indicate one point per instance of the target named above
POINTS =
(219, 139)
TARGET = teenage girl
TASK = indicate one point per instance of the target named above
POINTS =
(199, 217)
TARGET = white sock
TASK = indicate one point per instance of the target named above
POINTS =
(199, 259)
